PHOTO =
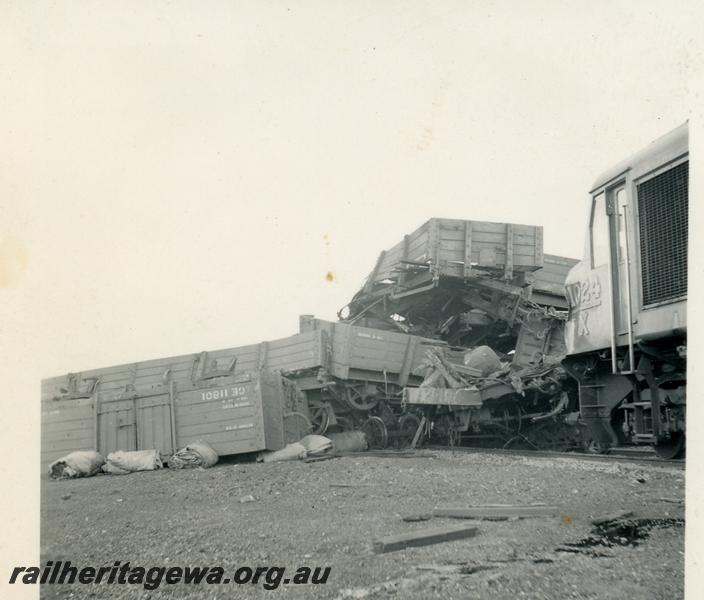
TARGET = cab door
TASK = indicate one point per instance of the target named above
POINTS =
(618, 211)
(598, 287)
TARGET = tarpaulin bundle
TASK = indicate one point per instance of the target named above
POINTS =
(197, 454)
(310, 445)
(121, 462)
(82, 463)
(315, 444)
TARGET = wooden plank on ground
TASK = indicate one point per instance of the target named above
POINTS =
(352, 485)
(493, 512)
(423, 537)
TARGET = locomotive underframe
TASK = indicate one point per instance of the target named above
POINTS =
(645, 405)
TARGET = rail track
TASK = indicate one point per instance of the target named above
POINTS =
(645, 457)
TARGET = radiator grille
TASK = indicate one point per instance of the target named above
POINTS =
(663, 206)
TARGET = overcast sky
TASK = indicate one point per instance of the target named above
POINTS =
(181, 176)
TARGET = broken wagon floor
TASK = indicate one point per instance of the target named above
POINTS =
(329, 512)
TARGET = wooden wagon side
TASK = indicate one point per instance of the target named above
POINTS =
(452, 248)
(367, 354)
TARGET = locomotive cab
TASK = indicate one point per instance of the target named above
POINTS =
(626, 332)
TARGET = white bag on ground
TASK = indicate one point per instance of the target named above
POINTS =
(121, 462)
(315, 444)
(197, 454)
(82, 463)
(293, 451)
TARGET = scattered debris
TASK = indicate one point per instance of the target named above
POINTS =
(618, 531)
(456, 568)
(624, 514)
(424, 537)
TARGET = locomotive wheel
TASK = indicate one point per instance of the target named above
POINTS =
(358, 398)
(320, 417)
(407, 426)
(673, 448)
(375, 431)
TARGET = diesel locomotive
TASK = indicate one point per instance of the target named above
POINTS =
(626, 333)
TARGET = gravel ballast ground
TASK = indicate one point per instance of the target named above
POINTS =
(196, 517)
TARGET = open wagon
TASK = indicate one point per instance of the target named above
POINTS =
(327, 375)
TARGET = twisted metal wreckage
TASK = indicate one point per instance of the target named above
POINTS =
(486, 290)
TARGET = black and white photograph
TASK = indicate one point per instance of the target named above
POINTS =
(350, 300)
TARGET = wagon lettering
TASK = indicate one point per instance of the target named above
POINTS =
(220, 394)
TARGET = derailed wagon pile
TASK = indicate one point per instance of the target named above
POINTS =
(484, 284)
(448, 288)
